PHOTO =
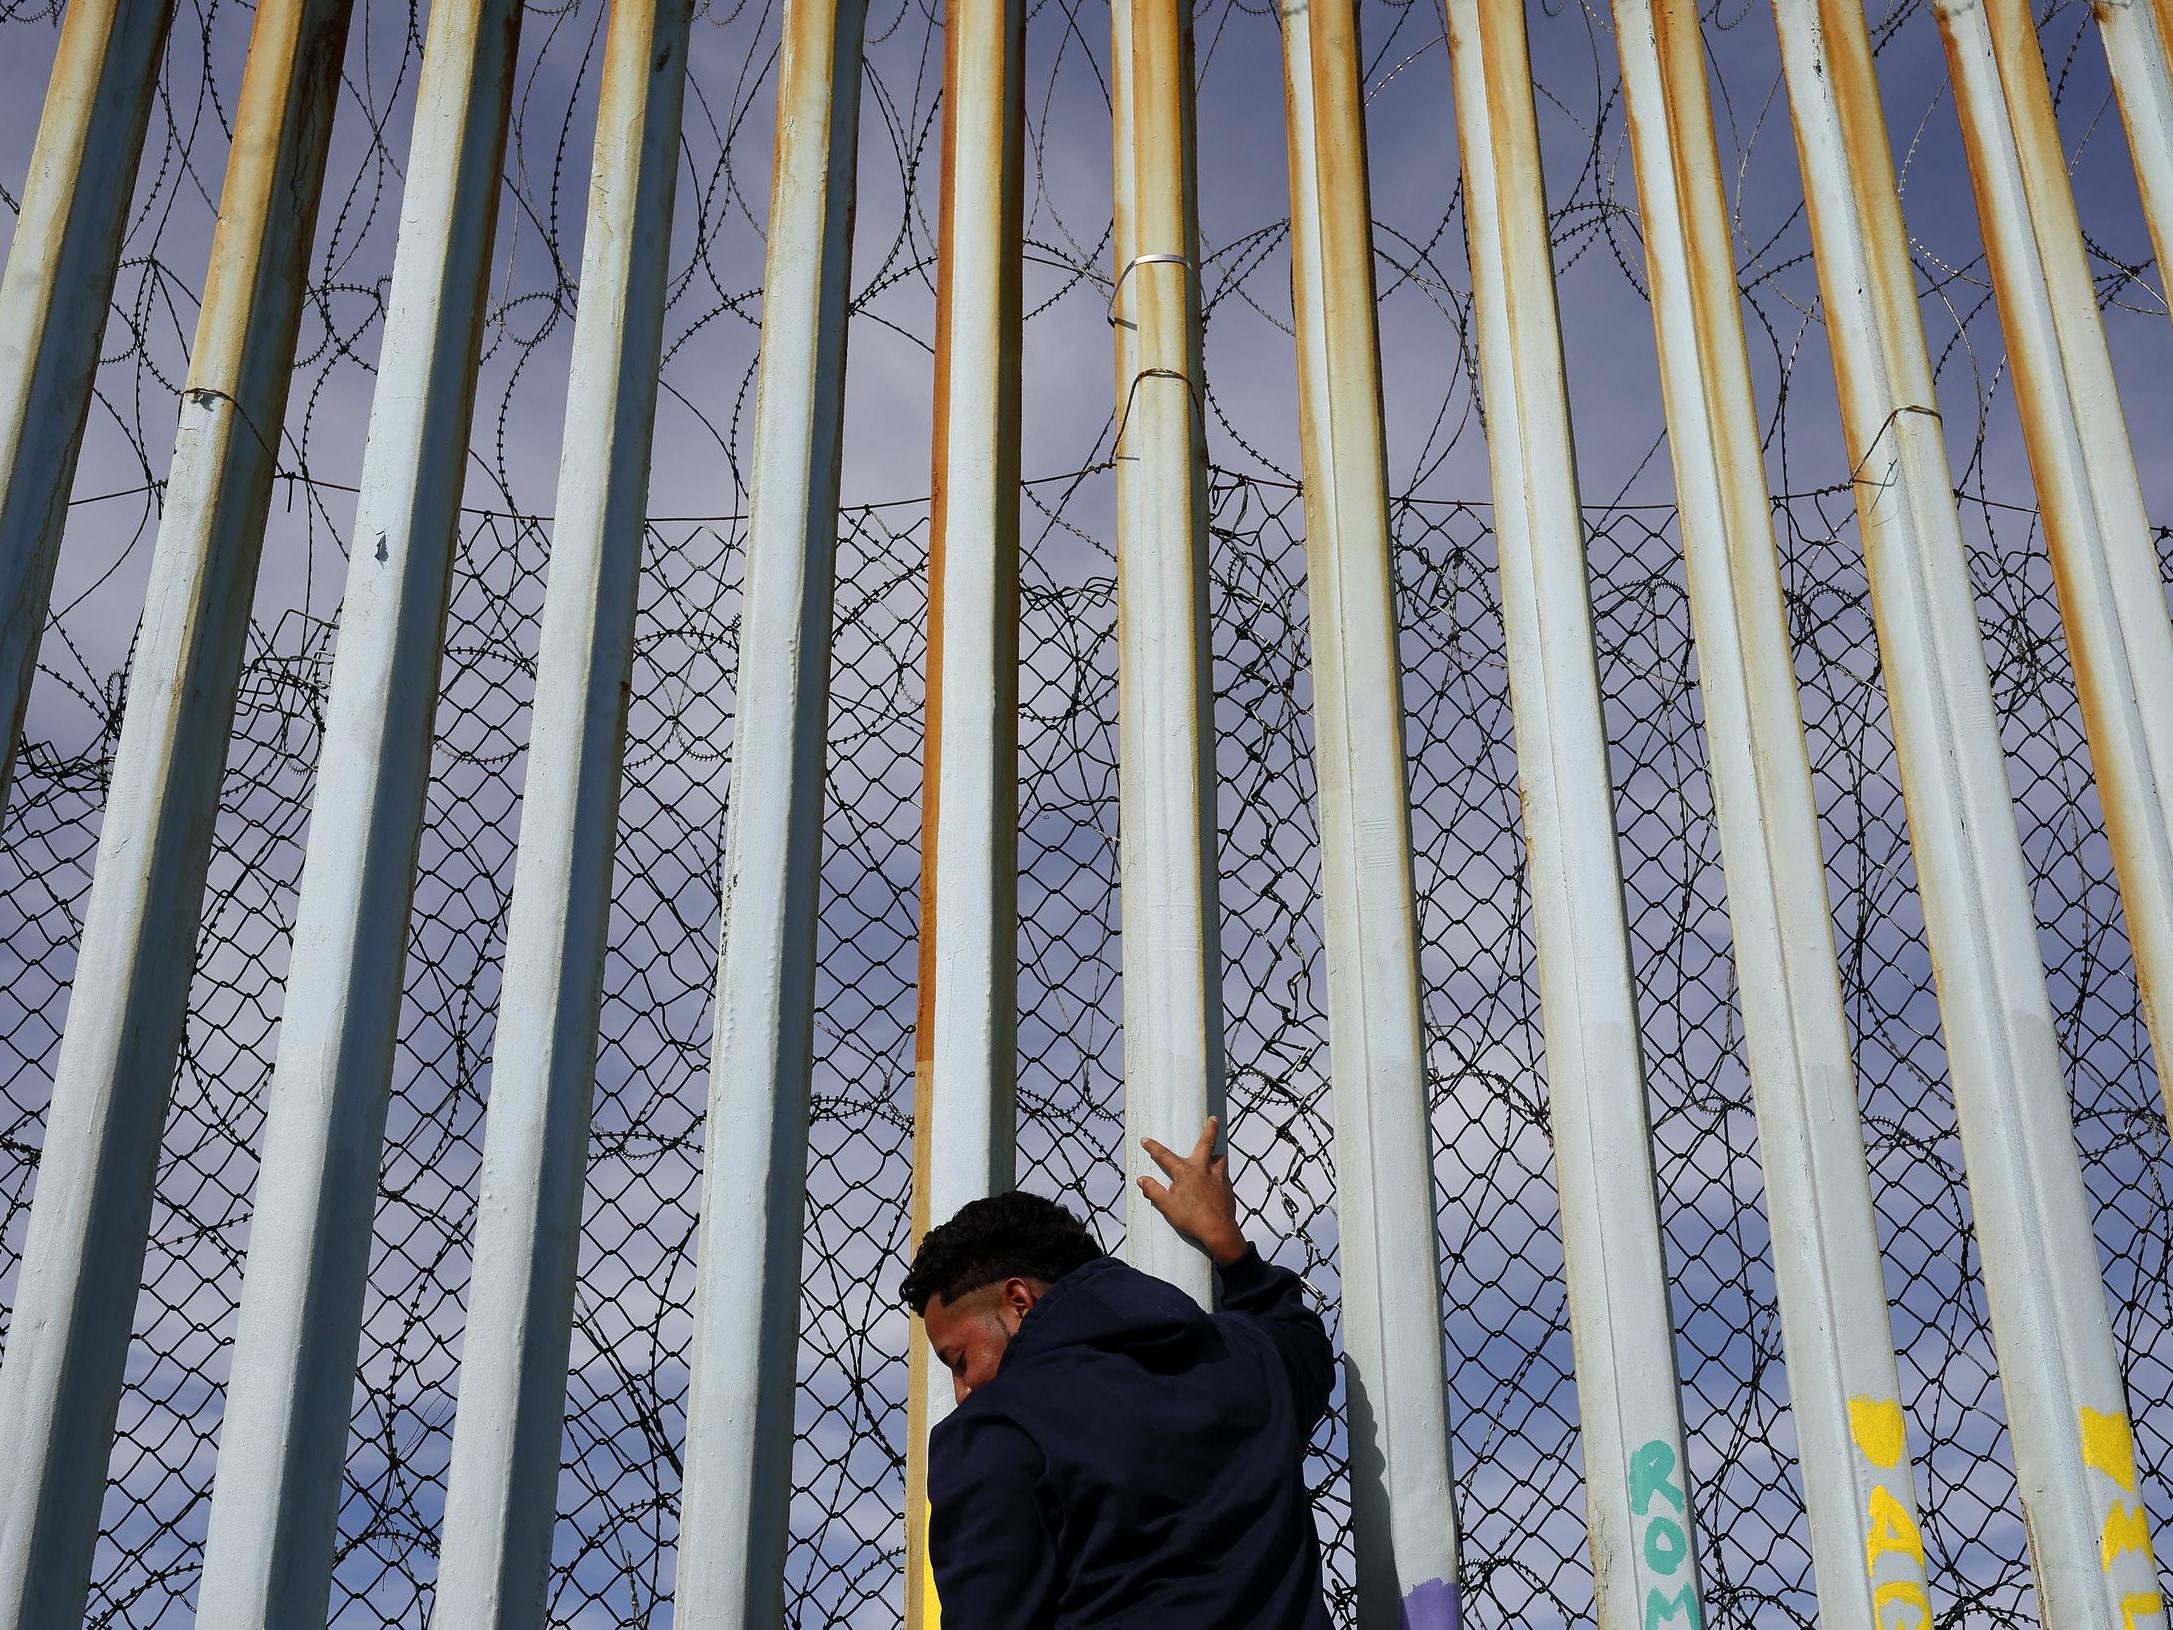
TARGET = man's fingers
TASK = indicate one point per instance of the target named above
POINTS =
(1206, 1146)
(1155, 1192)
(1161, 1157)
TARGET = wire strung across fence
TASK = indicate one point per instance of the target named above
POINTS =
(1511, 1373)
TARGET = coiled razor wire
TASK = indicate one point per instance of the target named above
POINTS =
(1511, 1371)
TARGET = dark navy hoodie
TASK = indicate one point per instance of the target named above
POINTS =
(1137, 1462)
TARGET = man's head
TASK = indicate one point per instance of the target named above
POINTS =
(975, 1278)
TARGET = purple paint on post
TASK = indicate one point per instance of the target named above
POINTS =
(1432, 1606)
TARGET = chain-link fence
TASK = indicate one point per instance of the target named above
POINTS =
(1511, 1372)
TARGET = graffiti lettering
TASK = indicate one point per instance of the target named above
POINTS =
(2108, 1446)
(2126, 1530)
(1907, 1594)
(1665, 1545)
(1651, 1470)
(1891, 1530)
(1661, 1607)
(1881, 1437)
(1666, 1542)
(1876, 1425)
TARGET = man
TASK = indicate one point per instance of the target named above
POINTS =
(1118, 1456)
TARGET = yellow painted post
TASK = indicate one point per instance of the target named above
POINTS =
(965, 1033)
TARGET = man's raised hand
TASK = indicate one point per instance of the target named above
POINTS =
(1197, 1199)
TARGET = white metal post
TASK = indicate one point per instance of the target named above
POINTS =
(1638, 1521)
(2058, 1372)
(1172, 958)
(290, 1395)
(83, 1254)
(53, 301)
(1843, 1390)
(2138, 39)
(735, 1511)
(965, 1035)
(1402, 1493)
(502, 1485)
(2104, 555)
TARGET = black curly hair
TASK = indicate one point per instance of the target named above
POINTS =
(1007, 1236)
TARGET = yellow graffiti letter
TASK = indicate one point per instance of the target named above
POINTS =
(1909, 1594)
(2107, 1445)
(2125, 1530)
(1891, 1530)
(2143, 1604)
(1875, 1424)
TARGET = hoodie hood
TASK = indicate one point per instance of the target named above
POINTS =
(1112, 1308)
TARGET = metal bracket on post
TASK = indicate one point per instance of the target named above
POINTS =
(1117, 288)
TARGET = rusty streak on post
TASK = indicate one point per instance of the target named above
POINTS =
(2097, 532)
(53, 306)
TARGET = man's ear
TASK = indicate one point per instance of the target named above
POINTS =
(1020, 1295)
